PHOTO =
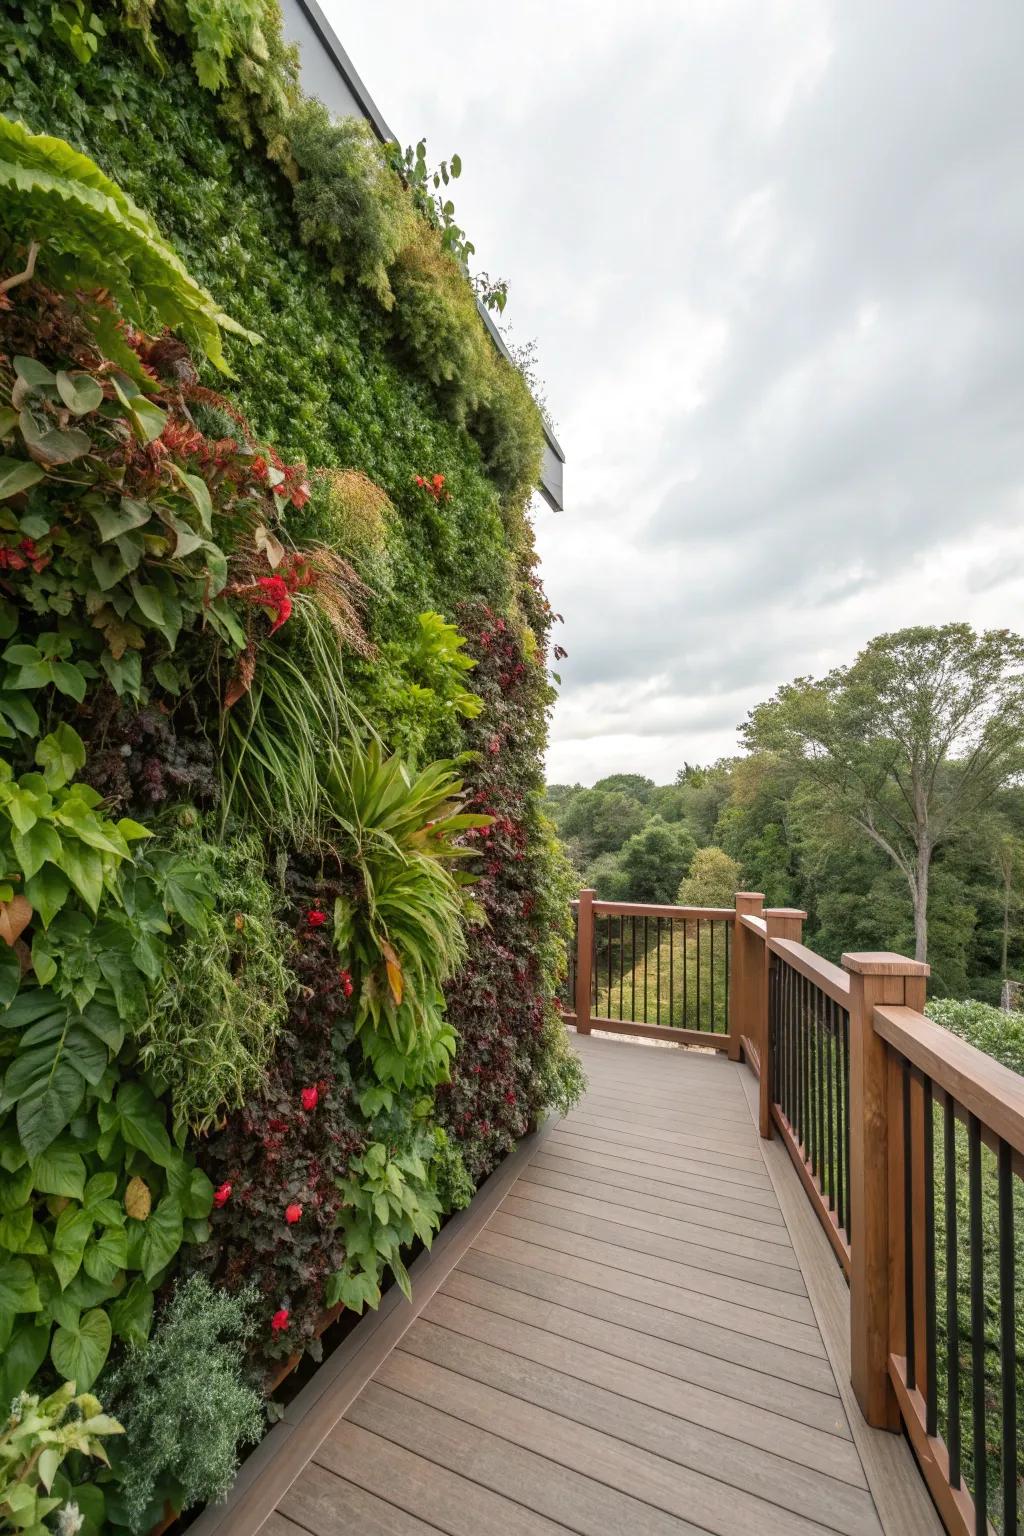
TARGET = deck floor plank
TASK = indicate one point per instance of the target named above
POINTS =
(626, 1348)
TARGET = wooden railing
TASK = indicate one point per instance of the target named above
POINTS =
(909, 1144)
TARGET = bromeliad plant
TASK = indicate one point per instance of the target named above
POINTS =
(401, 933)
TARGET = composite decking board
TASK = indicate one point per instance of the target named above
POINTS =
(742, 1381)
(727, 1152)
(421, 1485)
(607, 1453)
(760, 1356)
(678, 1421)
(606, 1095)
(619, 1190)
(507, 1466)
(625, 1348)
(711, 1173)
(327, 1504)
(736, 1142)
(686, 1228)
(628, 1283)
(757, 1273)
(667, 1181)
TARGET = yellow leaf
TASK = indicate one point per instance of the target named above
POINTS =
(137, 1199)
(394, 971)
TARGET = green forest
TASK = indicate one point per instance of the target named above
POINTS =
(922, 731)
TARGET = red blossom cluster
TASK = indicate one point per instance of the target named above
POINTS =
(17, 557)
(434, 487)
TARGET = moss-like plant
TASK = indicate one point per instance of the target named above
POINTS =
(215, 1019)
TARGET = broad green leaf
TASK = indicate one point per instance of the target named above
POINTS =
(33, 847)
(46, 1108)
(10, 974)
(80, 392)
(48, 890)
(107, 1254)
(18, 1291)
(142, 1124)
(161, 1237)
(22, 1357)
(17, 475)
(198, 492)
(16, 1230)
(113, 521)
(132, 1316)
(59, 1171)
(84, 868)
(60, 755)
(79, 1354)
(15, 1189)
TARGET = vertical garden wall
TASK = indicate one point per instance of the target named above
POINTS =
(281, 922)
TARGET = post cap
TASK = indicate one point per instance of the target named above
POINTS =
(786, 912)
(883, 962)
(750, 895)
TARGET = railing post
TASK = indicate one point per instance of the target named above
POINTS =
(744, 991)
(874, 979)
(584, 961)
(780, 923)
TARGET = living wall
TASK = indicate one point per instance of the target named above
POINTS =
(281, 917)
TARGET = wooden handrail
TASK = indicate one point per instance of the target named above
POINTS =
(982, 1085)
(754, 924)
(830, 979)
(645, 909)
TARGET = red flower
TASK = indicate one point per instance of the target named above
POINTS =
(279, 1321)
(276, 598)
(310, 1097)
(260, 467)
(292, 1213)
(510, 1097)
(346, 982)
(315, 918)
(222, 1195)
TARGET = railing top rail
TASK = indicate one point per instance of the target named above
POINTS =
(831, 979)
(755, 924)
(983, 1086)
(643, 909)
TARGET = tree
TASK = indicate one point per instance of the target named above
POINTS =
(1009, 861)
(908, 743)
(601, 821)
(607, 877)
(655, 860)
(636, 785)
(713, 880)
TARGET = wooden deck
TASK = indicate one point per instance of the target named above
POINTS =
(627, 1345)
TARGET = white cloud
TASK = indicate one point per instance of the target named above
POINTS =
(773, 254)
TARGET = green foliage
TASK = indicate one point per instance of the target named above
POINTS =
(388, 1200)
(93, 236)
(215, 1019)
(401, 934)
(991, 1030)
(185, 1404)
(713, 880)
(655, 860)
(35, 1439)
(348, 201)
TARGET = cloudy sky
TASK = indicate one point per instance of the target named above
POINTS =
(772, 252)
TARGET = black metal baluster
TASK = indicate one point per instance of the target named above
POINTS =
(791, 1115)
(931, 1352)
(646, 951)
(622, 958)
(829, 1075)
(686, 979)
(1008, 1338)
(697, 1010)
(632, 972)
(728, 941)
(952, 1300)
(608, 940)
(908, 1230)
(657, 971)
(711, 980)
(980, 1489)
(848, 1223)
(671, 971)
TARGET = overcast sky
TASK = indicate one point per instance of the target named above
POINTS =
(772, 252)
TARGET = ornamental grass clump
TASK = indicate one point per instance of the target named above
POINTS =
(185, 1403)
